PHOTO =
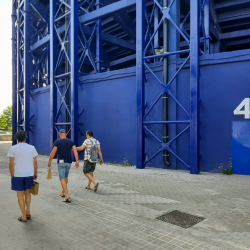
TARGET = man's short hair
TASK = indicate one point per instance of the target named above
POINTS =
(90, 133)
(21, 136)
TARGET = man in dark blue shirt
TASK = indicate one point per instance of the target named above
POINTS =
(63, 147)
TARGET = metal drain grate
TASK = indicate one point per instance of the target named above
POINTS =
(180, 219)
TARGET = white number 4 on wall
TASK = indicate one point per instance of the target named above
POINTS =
(246, 111)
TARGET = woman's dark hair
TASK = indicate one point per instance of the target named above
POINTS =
(90, 133)
(21, 136)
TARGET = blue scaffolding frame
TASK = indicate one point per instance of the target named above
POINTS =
(76, 27)
(23, 70)
(142, 46)
(68, 41)
(29, 70)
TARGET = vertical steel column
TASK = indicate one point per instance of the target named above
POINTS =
(194, 85)
(18, 67)
(98, 41)
(74, 70)
(207, 27)
(67, 64)
(140, 74)
(165, 81)
(53, 90)
(14, 74)
(156, 37)
(26, 66)
(173, 45)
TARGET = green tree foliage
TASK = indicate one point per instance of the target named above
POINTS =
(6, 119)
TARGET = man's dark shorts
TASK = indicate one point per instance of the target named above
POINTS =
(22, 183)
(88, 167)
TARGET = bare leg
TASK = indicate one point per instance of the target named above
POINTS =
(65, 188)
(21, 203)
(66, 179)
(91, 179)
(91, 173)
(27, 201)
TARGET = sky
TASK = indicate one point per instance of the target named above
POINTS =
(5, 55)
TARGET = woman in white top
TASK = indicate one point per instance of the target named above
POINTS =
(23, 170)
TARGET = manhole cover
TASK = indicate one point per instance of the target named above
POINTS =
(180, 219)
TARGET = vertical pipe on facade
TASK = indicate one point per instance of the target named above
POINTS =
(207, 27)
(26, 67)
(140, 75)
(53, 91)
(14, 74)
(194, 85)
(98, 41)
(74, 70)
(165, 81)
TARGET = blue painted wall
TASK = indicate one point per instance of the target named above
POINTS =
(109, 103)
(40, 107)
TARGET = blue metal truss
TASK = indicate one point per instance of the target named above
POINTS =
(144, 42)
(23, 61)
(75, 49)
(14, 71)
(29, 70)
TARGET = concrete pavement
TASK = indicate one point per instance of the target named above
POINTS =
(122, 214)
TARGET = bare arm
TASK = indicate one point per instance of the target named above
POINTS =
(11, 166)
(75, 153)
(100, 154)
(52, 155)
(76, 156)
(35, 167)
(81, 148)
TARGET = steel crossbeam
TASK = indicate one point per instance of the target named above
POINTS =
(144, 42)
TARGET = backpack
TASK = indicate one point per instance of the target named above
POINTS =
(93, 152)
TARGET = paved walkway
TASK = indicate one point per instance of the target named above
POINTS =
(122, 214)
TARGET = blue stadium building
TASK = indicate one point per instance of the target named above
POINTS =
(161, 83)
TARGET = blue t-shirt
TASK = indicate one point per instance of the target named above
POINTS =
(64, 147)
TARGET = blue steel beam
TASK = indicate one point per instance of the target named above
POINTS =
(206, 27)
(26, 61)
(106, 10)
(88, 31)
(74, 70)
(230, 3)
(235, 34)
(239, 42)
(123, 60)
(14, 74)
(124, 20)
(140, 74)
(194, 85)
(234, 15)
(19, 68)
(157, 35)
(214, 17)
(53, 91)
(98, 41)
(37, 8)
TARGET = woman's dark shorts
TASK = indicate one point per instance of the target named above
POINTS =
(22, 183)
(88, 167)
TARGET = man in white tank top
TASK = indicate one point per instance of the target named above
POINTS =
(23, 170)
